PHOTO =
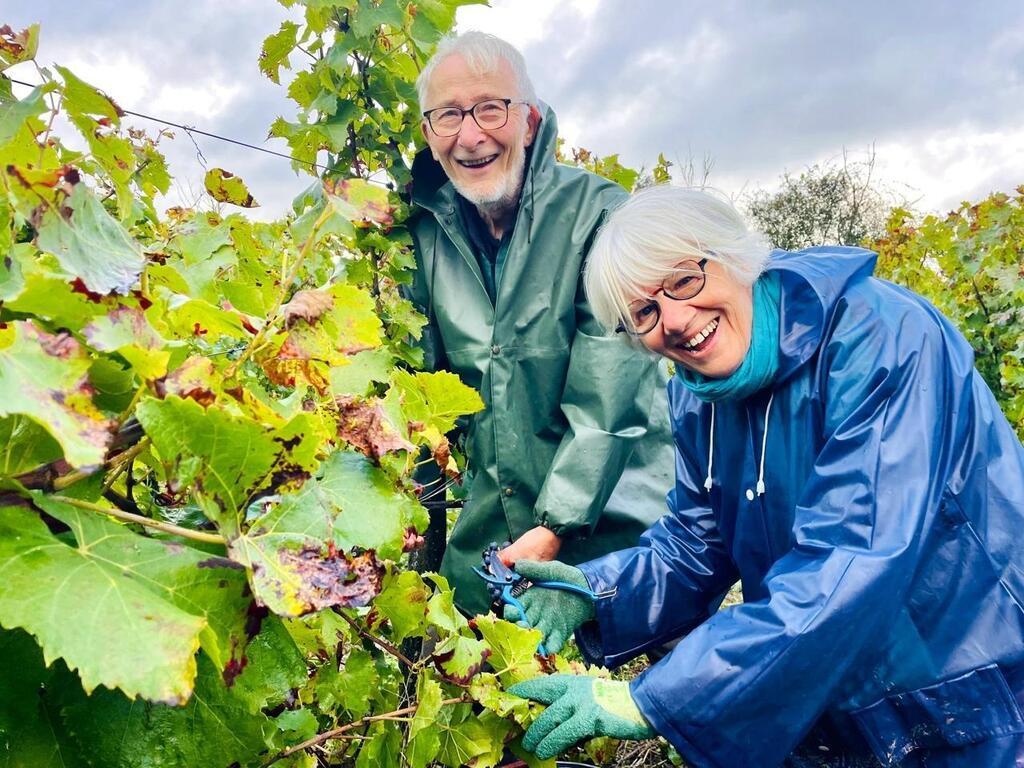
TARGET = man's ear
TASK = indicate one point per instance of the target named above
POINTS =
(426, 137)
(532, 124)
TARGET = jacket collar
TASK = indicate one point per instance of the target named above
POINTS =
(813, 280)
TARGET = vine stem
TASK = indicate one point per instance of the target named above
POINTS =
(62, 482)
(379, 642)
(282, 295)
(336, 732)
(125, 460)
(177, 530)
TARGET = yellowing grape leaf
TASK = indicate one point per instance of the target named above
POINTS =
(127, 332)
(513, 649)
(44, 377)
(360, 202)
(225, 187)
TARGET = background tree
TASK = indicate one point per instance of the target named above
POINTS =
(831, 203)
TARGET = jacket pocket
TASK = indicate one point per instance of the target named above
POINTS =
(965, 710)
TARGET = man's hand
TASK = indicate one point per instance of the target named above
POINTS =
(555, 612)
(580, 707)
(536, 544)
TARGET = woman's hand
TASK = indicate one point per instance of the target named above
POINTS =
(579, 707)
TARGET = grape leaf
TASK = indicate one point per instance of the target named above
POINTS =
(24, 446)
(383, 749)
(210, 587)
(359, 371)
(91, 244)
(354, 687)
(460, 658)
(276, 48)
(47, 293)
(44, 377)
(82, 99)
(424, 739)
(29, 732)
(360, 202)
(226, 459)
(225, 187)
(487, 691)
(374, 515)
(435, 400)
(513, 649)
(214, 729)
(126, 331)
(14, 114)
(18, 47)
(122, 634)
(403, 602)
(273, 666)
(441, 610)
(371, 15)
(468, 739)
(294, 572)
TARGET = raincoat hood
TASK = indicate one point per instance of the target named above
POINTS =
(813, 281)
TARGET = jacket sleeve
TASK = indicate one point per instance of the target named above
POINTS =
(673, 580)
(753, 678)
(606, 401)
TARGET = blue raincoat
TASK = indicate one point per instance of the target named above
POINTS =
(872, 503)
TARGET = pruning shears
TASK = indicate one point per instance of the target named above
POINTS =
(505, 586)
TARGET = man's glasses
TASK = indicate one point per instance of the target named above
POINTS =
(489, 114)
(684, 282)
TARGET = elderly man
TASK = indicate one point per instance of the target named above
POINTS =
(572, 455)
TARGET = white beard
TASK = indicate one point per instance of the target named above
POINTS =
(505, 194)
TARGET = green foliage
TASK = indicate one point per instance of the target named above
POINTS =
(970, 264)
(208, 427)
(610, 168)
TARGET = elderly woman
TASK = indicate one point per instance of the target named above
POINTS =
(837, 452)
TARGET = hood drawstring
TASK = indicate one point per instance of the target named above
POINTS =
(764, 448)
(764, 445)
(711, 450)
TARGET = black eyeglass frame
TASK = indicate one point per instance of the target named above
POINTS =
(472, 113)
(702, 263)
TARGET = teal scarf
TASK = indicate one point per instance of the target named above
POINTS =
(759, 367)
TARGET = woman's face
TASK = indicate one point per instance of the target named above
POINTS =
(709, 333)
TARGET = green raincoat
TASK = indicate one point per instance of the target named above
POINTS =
(575, 433)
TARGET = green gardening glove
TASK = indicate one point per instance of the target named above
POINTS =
(554, 612)
(579, 707)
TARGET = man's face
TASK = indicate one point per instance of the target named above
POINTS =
(486, 167)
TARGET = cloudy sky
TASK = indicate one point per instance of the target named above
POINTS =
(936, 87)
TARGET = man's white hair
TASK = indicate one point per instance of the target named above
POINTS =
(482, 53)
(655, 229)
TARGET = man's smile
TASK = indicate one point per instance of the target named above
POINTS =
(478, 162)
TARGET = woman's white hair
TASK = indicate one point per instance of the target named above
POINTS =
(654, 230)
(483, 54)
